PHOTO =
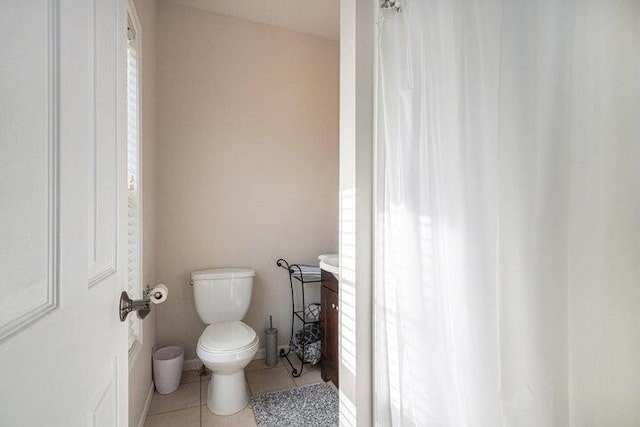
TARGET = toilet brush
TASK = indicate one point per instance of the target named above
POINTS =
(271, 343)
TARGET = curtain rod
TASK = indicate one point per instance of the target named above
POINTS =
(390, 4)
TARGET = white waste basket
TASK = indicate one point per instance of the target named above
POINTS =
(167, 367)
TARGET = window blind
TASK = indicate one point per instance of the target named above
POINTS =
(133, 181)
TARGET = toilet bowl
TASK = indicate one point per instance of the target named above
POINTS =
(227, 345)
(226, 349)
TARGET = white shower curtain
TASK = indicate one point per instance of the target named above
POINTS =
(473, 237)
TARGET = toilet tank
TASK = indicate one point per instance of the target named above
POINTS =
(222, 294)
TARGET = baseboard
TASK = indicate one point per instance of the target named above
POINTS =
(191, 364)
(147, 403)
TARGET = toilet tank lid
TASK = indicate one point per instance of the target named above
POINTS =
(223, 273)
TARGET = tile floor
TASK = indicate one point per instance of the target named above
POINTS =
(187, 406)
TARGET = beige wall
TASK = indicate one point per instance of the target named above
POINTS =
(140, 372)
(247, 159)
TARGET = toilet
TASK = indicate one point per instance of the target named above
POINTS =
(227, 345)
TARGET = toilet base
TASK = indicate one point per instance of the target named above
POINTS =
(227, 393)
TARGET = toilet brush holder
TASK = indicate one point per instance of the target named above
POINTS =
(271, 344)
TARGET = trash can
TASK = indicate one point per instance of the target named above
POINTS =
(167, 367)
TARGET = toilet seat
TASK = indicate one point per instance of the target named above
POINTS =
(227, 337)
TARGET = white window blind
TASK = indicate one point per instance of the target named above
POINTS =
(133, 184)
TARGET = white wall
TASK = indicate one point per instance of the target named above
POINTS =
(604, 290)
(140, 376)
(247, 159)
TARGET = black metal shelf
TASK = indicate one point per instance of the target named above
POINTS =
(296, 271)
(305, 278)
(300, 315)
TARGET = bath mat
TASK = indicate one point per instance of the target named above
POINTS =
(311, 406)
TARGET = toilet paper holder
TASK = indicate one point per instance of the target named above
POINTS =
(141, 306)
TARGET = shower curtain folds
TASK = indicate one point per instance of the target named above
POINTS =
(477, 141)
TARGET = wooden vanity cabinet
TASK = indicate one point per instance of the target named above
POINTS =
(330, 316)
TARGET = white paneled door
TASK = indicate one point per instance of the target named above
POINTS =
(63, 349)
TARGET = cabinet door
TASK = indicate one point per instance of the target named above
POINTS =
(330, 336)
(324, 305)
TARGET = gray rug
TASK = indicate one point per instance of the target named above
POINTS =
(310, 406)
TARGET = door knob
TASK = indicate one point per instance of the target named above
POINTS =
(141, 306)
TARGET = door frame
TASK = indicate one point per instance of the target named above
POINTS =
(132, 14)
(357, 189)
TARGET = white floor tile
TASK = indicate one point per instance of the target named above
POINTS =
(187, 396)
(243, 418)
(190, 376)
(266, 380)
(310, 375)
(184, 418)
(260, 364)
